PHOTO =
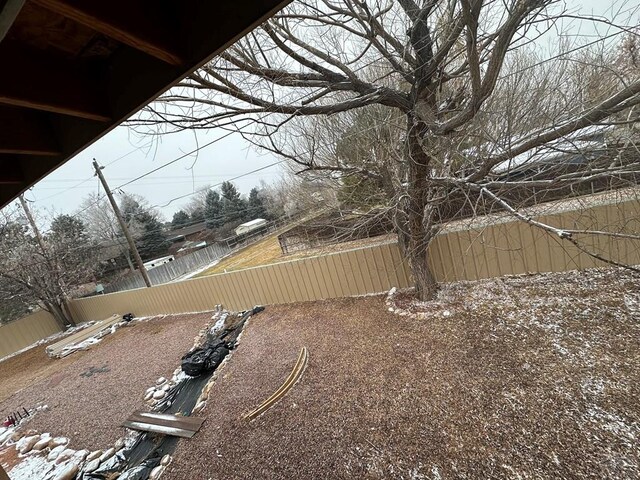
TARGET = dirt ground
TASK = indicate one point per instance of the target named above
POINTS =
(527, 377)
(14, 377)
(90, 408)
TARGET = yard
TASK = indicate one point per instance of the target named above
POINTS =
(268, 251)
(521, 377)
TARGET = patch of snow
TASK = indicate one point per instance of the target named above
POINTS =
(219, 323)
(435, 472)
(196, 272)
(592, 386)
(610, 422)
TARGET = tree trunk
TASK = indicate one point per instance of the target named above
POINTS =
(67, 311)
(58, 313)
(418, 213)
(415, 249)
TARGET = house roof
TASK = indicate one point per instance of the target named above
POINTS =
(191, 229)
(75, 69)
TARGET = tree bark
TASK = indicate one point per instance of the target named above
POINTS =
(67, 312)
(419, 228)
(59, 315)
(417, 253)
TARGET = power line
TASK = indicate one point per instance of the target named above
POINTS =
(82, 182)
(171, 162)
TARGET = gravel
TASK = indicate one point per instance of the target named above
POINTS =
(91, 393)
(525, 377)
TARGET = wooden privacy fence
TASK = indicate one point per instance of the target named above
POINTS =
(466, 250)
(172, 270)
(17, 335)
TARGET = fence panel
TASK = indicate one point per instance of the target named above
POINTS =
(171, 270)
(21, 333)
(467, 250)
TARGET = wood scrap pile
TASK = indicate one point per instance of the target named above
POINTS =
(84, 338)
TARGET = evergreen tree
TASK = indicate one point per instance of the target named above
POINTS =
(197, 215)
(145, 227)
(152, 242)
(213, 210)
(234, 208)
(256, 208)
(180, 219)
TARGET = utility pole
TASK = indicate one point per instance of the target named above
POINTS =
(32, 222)
(123, 225)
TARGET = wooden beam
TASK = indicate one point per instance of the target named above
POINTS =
(131, 79)
(10, 171)
(126, 21)
(26, 132)
(9, 10)
(51, 84)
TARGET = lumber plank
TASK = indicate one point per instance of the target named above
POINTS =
(82, 335)
(174, 425)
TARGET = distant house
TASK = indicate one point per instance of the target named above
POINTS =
(190, 246)
(250, 226)
(156, 262)
(191, 232)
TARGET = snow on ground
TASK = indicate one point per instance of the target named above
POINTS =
(186, 276)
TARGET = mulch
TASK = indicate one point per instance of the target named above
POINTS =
(94, 391)
(526, 377)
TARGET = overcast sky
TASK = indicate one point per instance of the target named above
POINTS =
(63, 190)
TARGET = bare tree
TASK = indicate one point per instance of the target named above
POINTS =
(487, 116)
(102, 226)
(45, 273)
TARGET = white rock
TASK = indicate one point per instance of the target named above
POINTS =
(159, 394)
(149, 395)
(26, 444)
(166, 460)
(150, 390)
(68, 473)
(107, 454)
(80, 455)
(65, 455)
(120, 443)
(446, 313)
(92, 465)
(57, 441)
(156, 472)
(55, 451)
(160, 381)
(93, 455)
(41, 444)
(199, 407)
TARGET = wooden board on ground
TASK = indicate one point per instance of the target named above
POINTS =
(166, 424)
(55, 349)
